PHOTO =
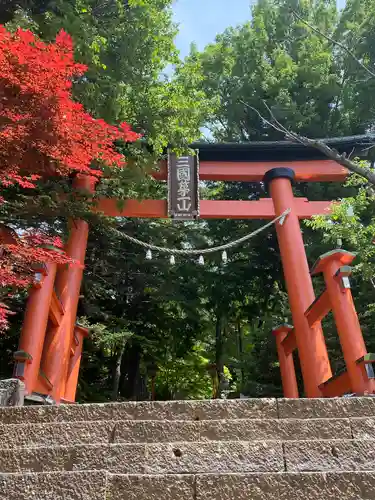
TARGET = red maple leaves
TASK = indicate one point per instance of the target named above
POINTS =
(44, 132)
(20, 257)
(42, 129)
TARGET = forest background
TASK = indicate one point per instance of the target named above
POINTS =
(305, 61)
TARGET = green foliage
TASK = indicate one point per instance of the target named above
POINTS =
(310, 85)
(127, 47)
(110, 336)
(352, 223)
(185, 378)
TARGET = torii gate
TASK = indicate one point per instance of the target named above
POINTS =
(51, 342)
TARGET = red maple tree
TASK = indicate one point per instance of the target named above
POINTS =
(44, 132)
(21, 257)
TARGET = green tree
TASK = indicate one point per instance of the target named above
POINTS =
(308, 83)
(278, 63)
(127, 47)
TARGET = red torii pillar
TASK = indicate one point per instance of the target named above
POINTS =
(287, 370)
(28, 356)
(58, 343)
(311, 345)
(71, 380)
(334, 266)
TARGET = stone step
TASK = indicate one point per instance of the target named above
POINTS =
(55, 486)
(329, 455)
(326, 408)
(196, 457)
(165, 431)
(97, 485)
(194, 410)
(307, 486)
(174, 458)
(163, 410)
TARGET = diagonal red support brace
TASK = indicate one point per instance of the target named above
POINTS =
(318, 309)
(314, 314)
(289, 343)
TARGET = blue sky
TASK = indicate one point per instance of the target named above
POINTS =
(201, 20)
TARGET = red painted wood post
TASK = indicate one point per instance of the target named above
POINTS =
(345, 315)
(80, 333)
(33, 331)
(311, 345)
(287, 369)
(56, 354)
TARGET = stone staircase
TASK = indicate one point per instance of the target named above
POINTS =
(188, 450)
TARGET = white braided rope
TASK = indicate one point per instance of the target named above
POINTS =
(176, 251)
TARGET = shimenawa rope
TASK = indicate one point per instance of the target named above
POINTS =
(177, 251)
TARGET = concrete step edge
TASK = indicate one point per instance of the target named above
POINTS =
(159, 410)
(196, 410)
(195, 457)
(146, 431)
(188, 424)
(111, 475)
(182, 421)
(226, 442)
(99, 485)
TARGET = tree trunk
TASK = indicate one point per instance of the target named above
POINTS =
(117, 371)
(219, 355)
(129, 371)
(141, 392)
(240, 350)
(153, 388)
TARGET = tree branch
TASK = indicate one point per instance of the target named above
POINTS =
(320, 145)
(335, 42)
(342, 159)
(332, 154)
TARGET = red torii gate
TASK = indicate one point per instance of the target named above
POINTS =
(51, 342)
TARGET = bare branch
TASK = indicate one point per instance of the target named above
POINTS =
(276, 126)
(332, 154)
(335, 42)
(340, 158)
(287, 132)
(351, 153)
(369, 148)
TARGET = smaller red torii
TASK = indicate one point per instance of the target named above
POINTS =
(359, 374)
